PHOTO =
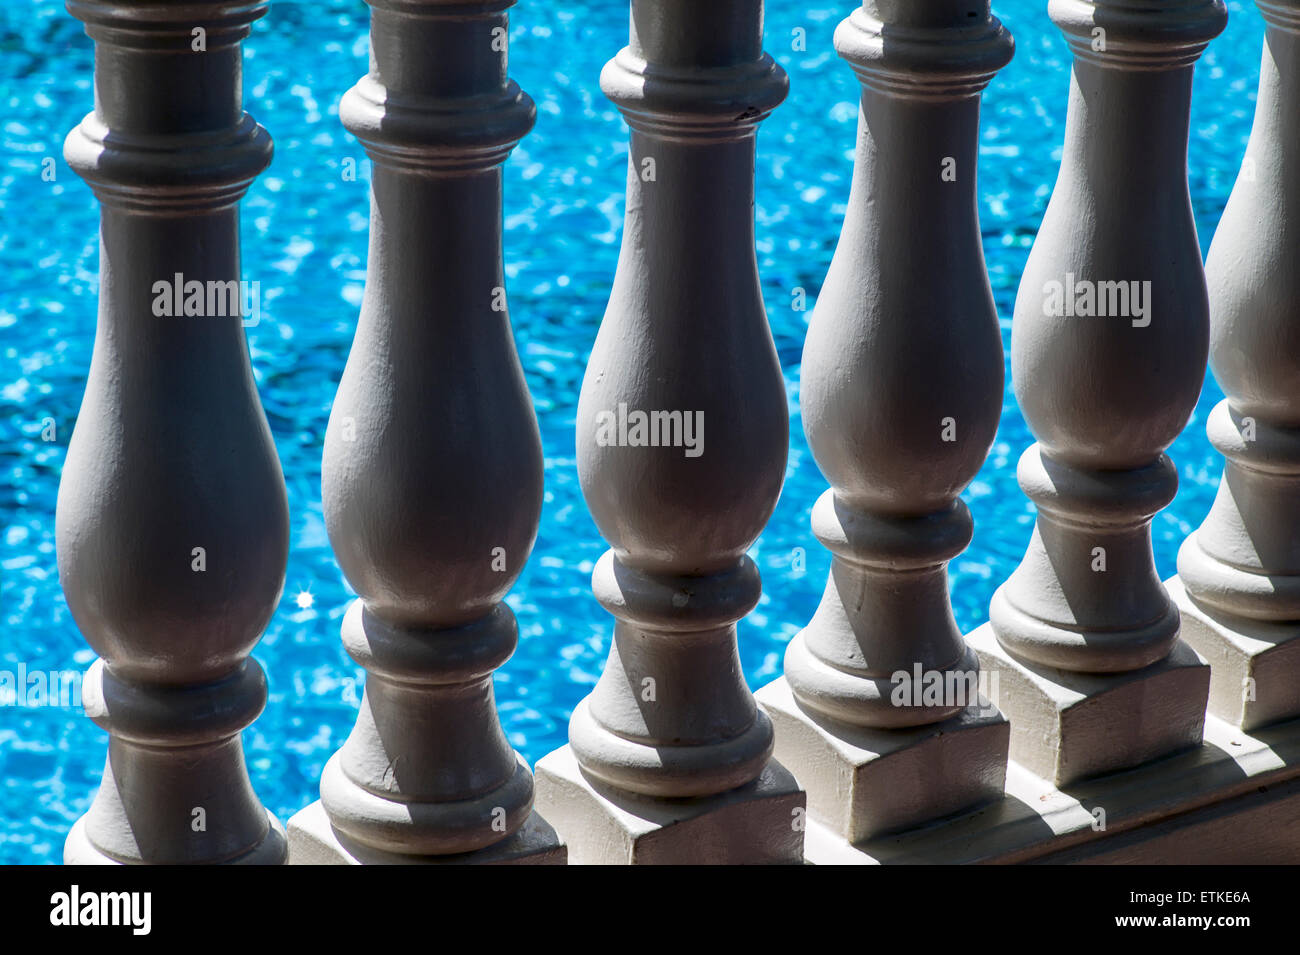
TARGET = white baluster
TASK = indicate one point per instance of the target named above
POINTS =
(173, 526)
(1108, 349)
(433, 464)
(879, 714)
(1238, 582)
(682, 441)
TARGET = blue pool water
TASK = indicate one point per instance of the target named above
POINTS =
(304, 235)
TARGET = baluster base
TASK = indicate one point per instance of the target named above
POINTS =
(1066, 726)
(1253, 663)
(863, 782)
(756, 824)
(313, 841)
(272, 850)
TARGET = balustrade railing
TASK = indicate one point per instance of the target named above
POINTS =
(1077, 713)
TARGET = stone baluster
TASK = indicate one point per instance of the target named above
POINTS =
(879, 714)
(172, 526)
(1238, 583)
(432, 473)
(1108, 343)
(682, 435)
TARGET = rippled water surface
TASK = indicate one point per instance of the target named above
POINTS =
(304, 239)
